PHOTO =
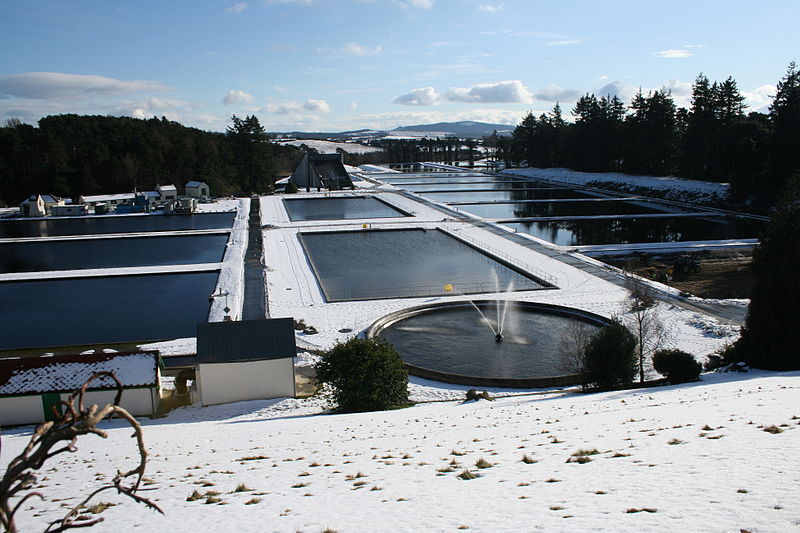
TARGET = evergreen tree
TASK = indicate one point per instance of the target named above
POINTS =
(251, 154)
(770, 337)
(701, 131)
(785, 117)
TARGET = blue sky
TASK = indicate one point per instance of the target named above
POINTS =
(334, 65)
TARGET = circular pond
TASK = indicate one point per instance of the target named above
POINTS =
(458, 342)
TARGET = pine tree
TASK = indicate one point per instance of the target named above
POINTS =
(770, 338)
(785, 117)
(252, 154)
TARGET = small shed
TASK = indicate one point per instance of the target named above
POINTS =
(39, 205)
(197, 189)
(321, 170)
(245, 360)
(30, 388)
(167, 193)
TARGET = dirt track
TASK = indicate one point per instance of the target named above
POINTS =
(721, 276)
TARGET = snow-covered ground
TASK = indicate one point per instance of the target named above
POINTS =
(697, 190)
(331, 147)
(694, 457)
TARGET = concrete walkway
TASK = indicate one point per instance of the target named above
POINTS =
(254, 304)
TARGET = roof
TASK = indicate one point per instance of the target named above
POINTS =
(321, 170)
(68, 373)
(151, 194)
(166, 188)
(107, 197)
(46, 198)
(246, 340)
(196, 184)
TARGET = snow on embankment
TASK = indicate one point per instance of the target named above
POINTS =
(330, 147)
(673, 188)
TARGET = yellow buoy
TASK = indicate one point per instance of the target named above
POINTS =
(448, 288)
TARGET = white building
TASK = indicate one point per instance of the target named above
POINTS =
(167, 193)
(31, 387)
(246, 360)
(197, 189)
(111, 200)
(39, 205)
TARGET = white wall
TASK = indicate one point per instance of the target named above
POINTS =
(29, 409)
(251, 380)
(21, 410)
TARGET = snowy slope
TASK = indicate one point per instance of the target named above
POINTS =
(682, 458)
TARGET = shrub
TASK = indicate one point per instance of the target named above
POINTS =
(290, 188)
(676, 365)
(364, 375)
(610, 357)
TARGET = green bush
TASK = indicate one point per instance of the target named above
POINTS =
(610, 359)
(364, 375)
(676, 365)
(290, 188)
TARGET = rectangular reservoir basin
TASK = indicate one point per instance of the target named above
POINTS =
(341, 208)
(363, 265)
(105, 309)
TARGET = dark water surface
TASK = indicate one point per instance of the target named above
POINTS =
(403, 263)
(111, 253)
(635, 230)
(107, 309)
(559, 209)
(92, 225)
(339, 208)
(459, 341)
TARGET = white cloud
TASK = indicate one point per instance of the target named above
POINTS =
(56, 85)
(415, 4)
(420, 97)
(760, 98)
(678, 88)
(618, 88)
(237, 97)
(502, 92)
(554, 93)
(694, 46)
(674, 53)
(311, 105)
(563, 42)
(298, 2)
(351, 49)
(491, 8)
(237, 8)
(352, 106)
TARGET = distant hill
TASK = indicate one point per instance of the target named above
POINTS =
(440, 129)
(456, 129)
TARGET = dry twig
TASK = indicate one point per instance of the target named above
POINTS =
(46, 442)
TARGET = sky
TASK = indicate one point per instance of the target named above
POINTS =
(338, 65)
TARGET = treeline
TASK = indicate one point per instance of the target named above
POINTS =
(714, 140)
(72, 155)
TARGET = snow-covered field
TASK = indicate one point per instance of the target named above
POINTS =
(683, 458)
(330, 147)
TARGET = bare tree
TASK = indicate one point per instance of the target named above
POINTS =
(572, 345)
(641, 313)
(46, 443)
